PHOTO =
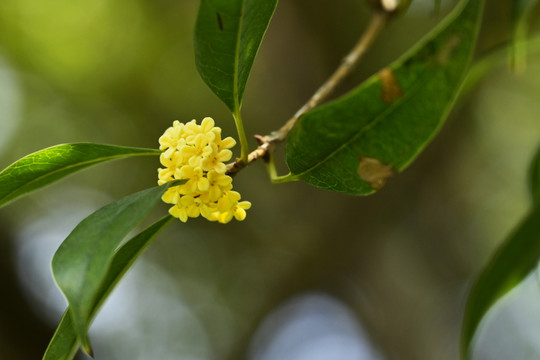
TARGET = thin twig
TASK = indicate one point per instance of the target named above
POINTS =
(268, 142)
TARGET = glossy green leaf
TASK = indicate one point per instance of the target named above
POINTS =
(64, 344)
(515, 259)
(521, 14)
(82, 262)
(534, 177)
(46, 166)
(228, 34)
(353, 144)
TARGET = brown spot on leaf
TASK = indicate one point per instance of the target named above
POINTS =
(391, 90)
(374, 172)
(447, 49)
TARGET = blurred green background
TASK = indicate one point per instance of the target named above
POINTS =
(309, 274)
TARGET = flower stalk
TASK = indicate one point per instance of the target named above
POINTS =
(244, 146)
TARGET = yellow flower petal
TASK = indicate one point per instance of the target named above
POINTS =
(239, 213)
(203, 184)
(171, 196)
(186, 172)
(227, 143)
(244, 205)
(224, 155)
(225, 217)
(179, 212)
(207, 124)
(193, 211)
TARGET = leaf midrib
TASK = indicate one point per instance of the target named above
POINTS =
(237, 59)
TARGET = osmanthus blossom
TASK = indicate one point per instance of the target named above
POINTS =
(197, 153)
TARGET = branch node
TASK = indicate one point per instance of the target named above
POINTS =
(267, 143)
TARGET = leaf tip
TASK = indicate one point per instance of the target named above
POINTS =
(87, 348)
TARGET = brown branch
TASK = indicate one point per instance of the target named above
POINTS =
(268, 142)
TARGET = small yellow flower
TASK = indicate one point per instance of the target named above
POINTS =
(172, 138)
(196, 180)
(197, 154)
(179, 212)
(197, 149)
(239, 210)
(216, 160)
(228, 200)
(172, 195)
(217, 183)
(229, 206)
(206, 129)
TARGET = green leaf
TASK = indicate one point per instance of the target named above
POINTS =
(492, 60)
(82, 262)
(228, 34)
(46, 166)
(64, 344)
(534, 177)
(521, 15)
(352, 145)
(514, 260)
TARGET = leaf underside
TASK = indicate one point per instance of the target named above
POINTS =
(64, 343)
(512, 263)
(390, 117)
(81, 263)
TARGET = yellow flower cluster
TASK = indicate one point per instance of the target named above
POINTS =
(197, 153)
